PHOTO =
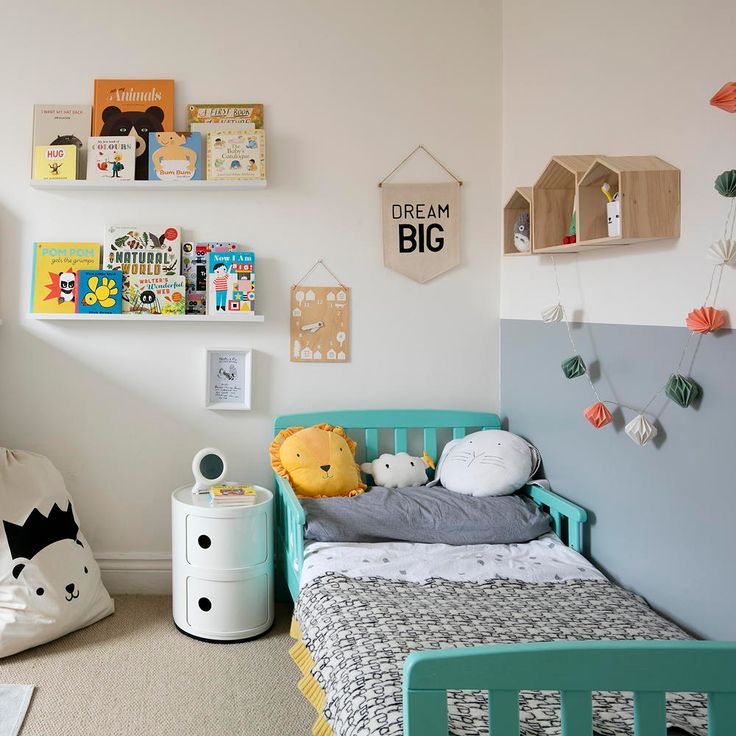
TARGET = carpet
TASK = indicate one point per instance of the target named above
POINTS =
(134, 674)
(14, 701)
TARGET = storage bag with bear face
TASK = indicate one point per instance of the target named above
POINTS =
(49, 581)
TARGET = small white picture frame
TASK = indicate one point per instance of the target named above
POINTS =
(228, 379)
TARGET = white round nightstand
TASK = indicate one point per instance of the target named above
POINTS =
(222, 566)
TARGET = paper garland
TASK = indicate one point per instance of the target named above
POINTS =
(680, 389)
(725, 98)
(705, 319)
(598, 415)
(726, 183)
(723, 252)
(640, 430)
(574, 367)
(553, 313)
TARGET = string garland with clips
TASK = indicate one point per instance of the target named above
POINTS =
(680, 388)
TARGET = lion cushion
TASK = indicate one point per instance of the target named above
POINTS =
(317, 461)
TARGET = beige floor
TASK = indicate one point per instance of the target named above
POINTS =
(134, 674)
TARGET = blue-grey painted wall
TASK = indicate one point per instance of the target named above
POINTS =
(664, 515)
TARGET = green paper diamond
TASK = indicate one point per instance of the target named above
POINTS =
(574, 367)
(726, 183)
(682, 390)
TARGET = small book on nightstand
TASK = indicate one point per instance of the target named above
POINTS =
(232, 495)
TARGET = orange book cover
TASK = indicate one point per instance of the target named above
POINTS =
(134, 107)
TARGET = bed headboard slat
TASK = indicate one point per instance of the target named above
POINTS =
(400, 440)
(371, 444)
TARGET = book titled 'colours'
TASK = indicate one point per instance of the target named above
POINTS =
(55, 272)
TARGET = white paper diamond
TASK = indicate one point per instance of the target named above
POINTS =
(640, 430)
(553, 313)
(723, 251)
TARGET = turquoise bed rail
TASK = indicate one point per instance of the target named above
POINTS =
(378, 430)
(649, 669)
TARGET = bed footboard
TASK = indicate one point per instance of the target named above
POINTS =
(649, 669)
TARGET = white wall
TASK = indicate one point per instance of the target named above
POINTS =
(349, 89)
(629, 78)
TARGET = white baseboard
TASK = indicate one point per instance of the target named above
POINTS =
(135, 573)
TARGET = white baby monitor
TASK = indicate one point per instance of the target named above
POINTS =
(209, 467)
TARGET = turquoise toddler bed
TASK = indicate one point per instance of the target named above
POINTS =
(651, 657)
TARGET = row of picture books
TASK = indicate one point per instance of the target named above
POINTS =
(128, 133)
(143, 270)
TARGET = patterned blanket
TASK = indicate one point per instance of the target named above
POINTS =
(360, 630)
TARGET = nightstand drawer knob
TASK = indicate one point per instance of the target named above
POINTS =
(204, 541)
(205, 604)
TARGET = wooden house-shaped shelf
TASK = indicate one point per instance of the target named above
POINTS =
(519, 202)
(648, 190)
(554, 199)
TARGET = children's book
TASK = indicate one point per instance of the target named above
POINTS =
(194, 268)
(233, 495)
(111, 158)
(174, 156)
(55, 162)
(63, 125)
(213, 118)
(99, 292)
(55, 270)
(157, 294)
(235, 155)
(134, 107)
(142, 251)
(231, 284)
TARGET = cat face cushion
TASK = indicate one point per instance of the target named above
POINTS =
(49, 580)
(487, 463)
(317, 461)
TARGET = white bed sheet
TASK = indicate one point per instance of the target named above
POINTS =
(543, 560)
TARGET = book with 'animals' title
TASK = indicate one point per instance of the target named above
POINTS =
(142, 251)
(55, 271)
(134, 107)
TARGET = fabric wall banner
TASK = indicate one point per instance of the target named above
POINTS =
(421, 228)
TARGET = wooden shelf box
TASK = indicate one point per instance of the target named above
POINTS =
(520, 201)
(554, 198)
(649, 193)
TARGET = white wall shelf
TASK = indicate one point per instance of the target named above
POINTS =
(232, 317)
(91, 184)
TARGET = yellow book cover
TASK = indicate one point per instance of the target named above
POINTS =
(55, 162)
(55, 270)
(233, 491)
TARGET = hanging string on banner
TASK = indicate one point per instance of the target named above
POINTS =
(319, 262)
(434, 158)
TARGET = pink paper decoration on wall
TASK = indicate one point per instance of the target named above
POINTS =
(725, 98)
(705, 319)
(598, 415)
